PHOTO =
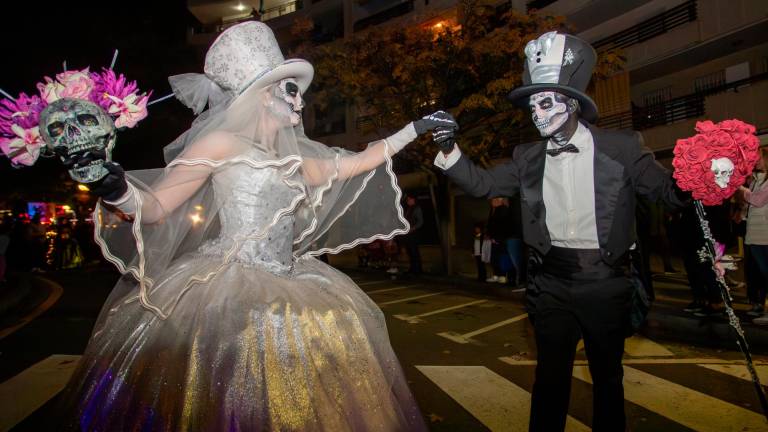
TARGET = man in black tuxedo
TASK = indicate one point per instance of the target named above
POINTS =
(577, 189)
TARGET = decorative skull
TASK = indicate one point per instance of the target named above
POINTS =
(74, 126)
(723, 168)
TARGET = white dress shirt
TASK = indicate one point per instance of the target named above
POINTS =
(569, 194)
(568, 191)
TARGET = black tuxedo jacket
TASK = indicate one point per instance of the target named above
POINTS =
(623, 167)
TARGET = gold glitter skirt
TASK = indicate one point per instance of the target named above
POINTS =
(246, 351)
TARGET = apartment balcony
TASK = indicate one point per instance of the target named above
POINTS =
(665, 122)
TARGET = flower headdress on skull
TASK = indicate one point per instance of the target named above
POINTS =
(79, 111)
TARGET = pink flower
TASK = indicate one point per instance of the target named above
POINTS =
(108, 83)
(77, 84)
(24, 149)
(24, 111)
(49, 90)
(129, 111)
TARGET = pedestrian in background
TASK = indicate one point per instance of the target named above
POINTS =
(757, 237)
(498, 231)
(415, 218)
(477, 251)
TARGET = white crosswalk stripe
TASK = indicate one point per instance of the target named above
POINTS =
(498, 403)
(397, 288)
(467, 337)
(740, 371)
(21, 395)
(413, 319)
(403, 300)
(690, 408)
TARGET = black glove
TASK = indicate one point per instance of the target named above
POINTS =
(113, 185)
(445, 137)
(110, 187)
(433, 121)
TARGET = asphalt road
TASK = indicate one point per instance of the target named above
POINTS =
(468, 354)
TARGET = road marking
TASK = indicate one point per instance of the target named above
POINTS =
(638, 346)
(467, 337)
(411, 298)
(514, 361)
(398, 288)
(372, 282)
(496, 402)
(740, 371)
(21, 395)
(690, 408)
(413, 319)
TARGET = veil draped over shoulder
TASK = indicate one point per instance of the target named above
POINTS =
(178, 207)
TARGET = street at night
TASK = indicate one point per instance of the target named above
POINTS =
(468, 353)
(384, 216)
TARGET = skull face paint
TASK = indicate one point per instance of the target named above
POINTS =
(73, 126)
(549, 112)
(723, 169)
(287, 101)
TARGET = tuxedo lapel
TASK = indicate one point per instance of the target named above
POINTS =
(531, 184)
(609, 180)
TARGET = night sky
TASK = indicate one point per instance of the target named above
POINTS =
(151, 37)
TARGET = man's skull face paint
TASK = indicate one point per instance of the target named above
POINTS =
(287, 101)
(549, 114)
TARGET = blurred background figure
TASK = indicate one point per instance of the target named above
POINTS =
(707, 301)
(756, 239)
(499, 232)
(477, 250)
(415, 217)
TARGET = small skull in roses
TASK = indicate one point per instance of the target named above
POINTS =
(288, 102)
(723, 169)
(73, 128)
(550, 111)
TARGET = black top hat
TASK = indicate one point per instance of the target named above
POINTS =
(561, 63)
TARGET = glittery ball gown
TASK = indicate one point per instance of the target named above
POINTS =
(270, 342)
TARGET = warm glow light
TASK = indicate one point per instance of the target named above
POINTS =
(82, 187)
(438, 26)
(66, 207)
(240, 7)
(196, 219)
(198, 207)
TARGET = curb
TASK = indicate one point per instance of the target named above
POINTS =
(54, 292)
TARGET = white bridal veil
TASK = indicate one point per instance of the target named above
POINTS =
(177, 208)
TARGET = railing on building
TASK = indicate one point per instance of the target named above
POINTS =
(650, 28)
(283, 9)
(673, 110)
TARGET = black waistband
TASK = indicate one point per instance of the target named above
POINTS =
(581, 264)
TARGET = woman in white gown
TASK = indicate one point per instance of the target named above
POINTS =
(223, 319)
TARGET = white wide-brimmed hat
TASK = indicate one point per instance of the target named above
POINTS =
(244, 58)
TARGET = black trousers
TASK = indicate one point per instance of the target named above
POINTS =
(565, 306)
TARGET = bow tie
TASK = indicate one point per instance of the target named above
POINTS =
(568, 148)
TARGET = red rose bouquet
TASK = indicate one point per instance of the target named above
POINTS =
(713, 163)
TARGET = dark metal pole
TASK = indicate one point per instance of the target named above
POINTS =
(741, 341)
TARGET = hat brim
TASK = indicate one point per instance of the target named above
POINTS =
(299, 69)
(588, 107)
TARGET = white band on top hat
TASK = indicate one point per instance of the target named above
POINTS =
(546, 57)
